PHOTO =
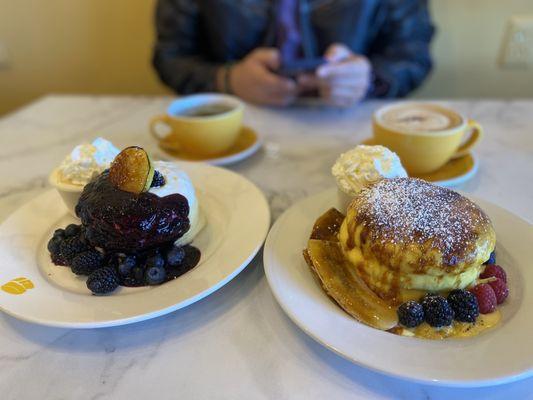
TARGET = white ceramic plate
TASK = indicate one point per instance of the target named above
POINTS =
(228, 243)
(500, 355)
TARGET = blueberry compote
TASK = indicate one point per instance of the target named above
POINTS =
(134, 233)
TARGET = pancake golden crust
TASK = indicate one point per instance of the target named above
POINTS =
(409, 212)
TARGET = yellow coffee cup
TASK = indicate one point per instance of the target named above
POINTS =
(203, 124)
(424, 135)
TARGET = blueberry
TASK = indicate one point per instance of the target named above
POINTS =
(155, 261)
(437, 311)
(464, 304)
(155, 275)
(59, 233)
(54, 243)
(126, 265)
(158, 180)
(175, 256)
(72, 230)
(492, 258)
(411, 314)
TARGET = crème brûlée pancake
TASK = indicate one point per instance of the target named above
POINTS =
(406, 237)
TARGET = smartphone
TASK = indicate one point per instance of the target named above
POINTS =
(292, 68)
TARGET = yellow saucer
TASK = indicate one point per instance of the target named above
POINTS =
(453, 173)
(247, 143)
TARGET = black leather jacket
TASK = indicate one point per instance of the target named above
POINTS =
(195, 37)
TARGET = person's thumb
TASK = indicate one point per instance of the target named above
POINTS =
(269, 57)
(337, 52)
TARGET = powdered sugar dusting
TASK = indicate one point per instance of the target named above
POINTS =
(407, 210)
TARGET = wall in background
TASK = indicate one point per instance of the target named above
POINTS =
(80, 46)
(99, 46)
(467, 47)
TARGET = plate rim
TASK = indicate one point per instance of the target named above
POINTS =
(268, 255)
(159, 312)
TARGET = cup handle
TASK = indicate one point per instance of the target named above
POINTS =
(476, 133)
(157, 120)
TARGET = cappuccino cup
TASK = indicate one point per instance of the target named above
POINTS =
(424, 135)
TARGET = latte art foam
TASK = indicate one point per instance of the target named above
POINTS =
(419, 119)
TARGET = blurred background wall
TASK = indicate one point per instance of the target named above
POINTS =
(99, 46)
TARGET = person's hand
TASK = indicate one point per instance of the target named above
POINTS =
(253, 79)
(343, 81)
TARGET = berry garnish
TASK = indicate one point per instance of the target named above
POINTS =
(126, 265)
(437, 311)
(155, 274)
(411, 314)
(132, 170)
(70, 247)
(158, 180)
(464, 305)
(500, 290)
(53, 244)
(492, 258)
(103, 280)
(87, 262)
(138, 273)
(155, 261)
(72, 230)
(486, 298)
(175, 256)
(59, 233)
(493, 270)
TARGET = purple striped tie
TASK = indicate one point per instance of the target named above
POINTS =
(288, 35)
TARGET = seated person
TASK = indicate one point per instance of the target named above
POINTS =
(371, 48)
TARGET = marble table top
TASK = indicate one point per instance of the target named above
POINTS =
(236, 343)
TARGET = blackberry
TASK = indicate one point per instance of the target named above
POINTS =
(53, 244)
(411, 314)
(492, 258)
(158, 180)
(72, 230)
(126, 265)
(103, 280)
(87, 262)
(70, 247)
(464, 305)
(155, 274)
(175, 256)
(59, 232)
(437, 311)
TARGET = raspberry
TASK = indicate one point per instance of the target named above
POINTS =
(437, 311)
(70, 247)
(411, 314)
(103, 280)
(87, 262)
(500, 290)
(494, 270)
(486, 298)
(464, 305)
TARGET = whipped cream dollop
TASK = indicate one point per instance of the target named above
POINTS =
(364, 165)
(86, 161)
(177, 181)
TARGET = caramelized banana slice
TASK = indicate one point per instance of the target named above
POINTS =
(132, 170)
(327, 226)
(342, 284)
